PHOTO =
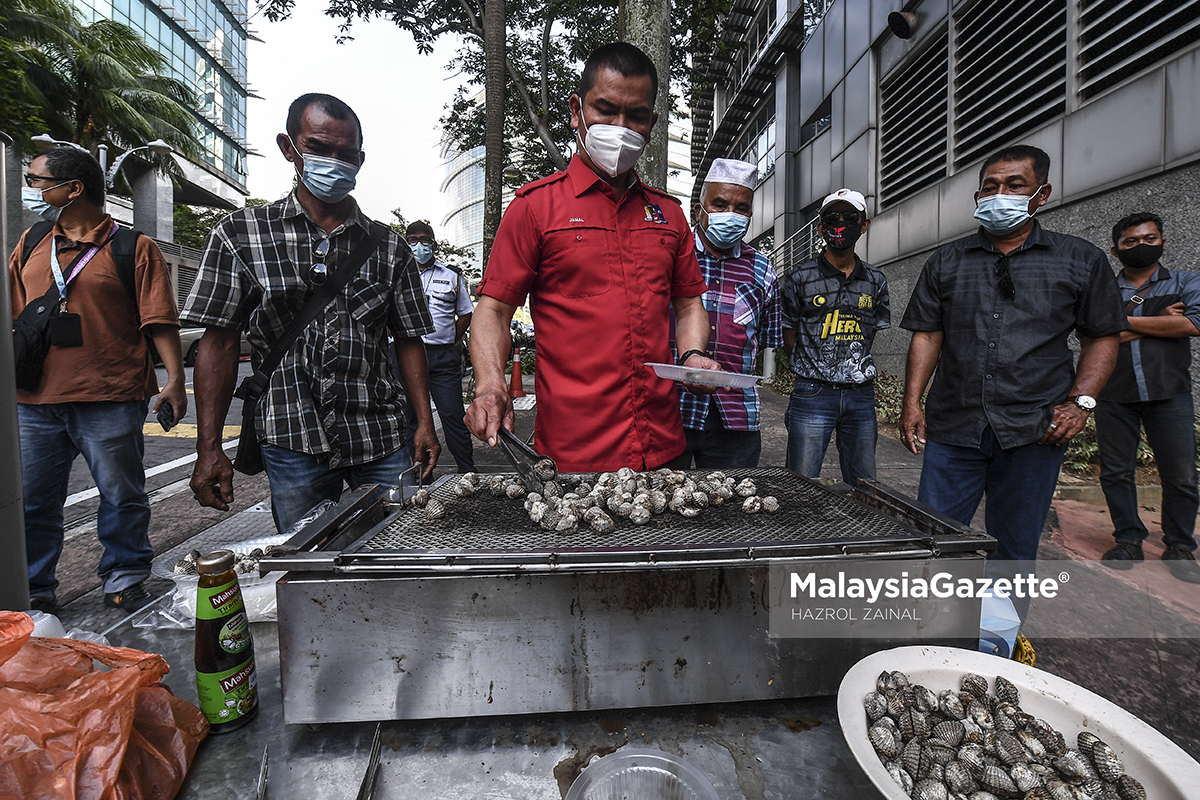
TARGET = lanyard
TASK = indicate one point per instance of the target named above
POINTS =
(56, 268)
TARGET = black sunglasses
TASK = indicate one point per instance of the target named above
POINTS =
(30, 179)
(830, 218)
(1007, 290)
(317, 272)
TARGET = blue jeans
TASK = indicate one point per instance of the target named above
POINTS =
(1019, 483)
(818, 409)
(1170, 432)
(300, 481)
(445, 390)
(110, 437)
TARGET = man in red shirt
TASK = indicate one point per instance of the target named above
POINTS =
(603, 258)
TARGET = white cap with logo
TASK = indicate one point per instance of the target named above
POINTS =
(846, 196)
(728, 170)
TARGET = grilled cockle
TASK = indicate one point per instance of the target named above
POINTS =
(187, 564)
(746, 488)
(770, 504)
(544, 469)
(434, 508)
(420, 498)
(752, 505)
(978, 744)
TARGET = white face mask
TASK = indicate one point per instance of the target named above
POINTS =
(613, 149)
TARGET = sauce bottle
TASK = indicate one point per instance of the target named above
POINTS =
(225, 678)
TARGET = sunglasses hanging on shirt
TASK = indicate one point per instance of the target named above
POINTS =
(318, 272)
(1007, 289)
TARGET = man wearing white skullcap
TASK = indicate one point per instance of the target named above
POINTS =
(833, 305)
(742, 301)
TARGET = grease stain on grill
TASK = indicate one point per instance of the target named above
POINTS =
(800, 724)
(612, 723)
(707, 718)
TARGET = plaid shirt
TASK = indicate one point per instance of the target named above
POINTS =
(336, 392)
(744, 314)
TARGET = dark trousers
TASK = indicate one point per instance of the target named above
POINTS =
(717, 447)
(1171, 434)
(445, 390)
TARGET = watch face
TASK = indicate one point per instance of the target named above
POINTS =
(1086, 402)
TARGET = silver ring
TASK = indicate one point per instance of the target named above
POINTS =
(1053, 427)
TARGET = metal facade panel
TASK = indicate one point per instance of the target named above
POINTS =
(859, 97)
(1116, 137)
(834, 34)
(804, 179)
(919, 221)
(858, 30)
(956, 204)
(822, 156)
(858, 169)
(1183, 108)
(883, 240)
(837, 121)
(837, 169)
(812, 86)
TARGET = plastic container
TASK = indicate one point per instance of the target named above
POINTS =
(704, 377)
(644, 775)
(258, 592)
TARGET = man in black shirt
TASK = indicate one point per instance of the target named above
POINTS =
(993, 312)
(1151, 386)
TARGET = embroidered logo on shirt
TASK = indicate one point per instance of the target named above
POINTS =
(842, 327)
(654, 214)
(819, 300)
(576, 219)
(866, 301)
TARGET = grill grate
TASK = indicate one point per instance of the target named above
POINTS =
(486, 523)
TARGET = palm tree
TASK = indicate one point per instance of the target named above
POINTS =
(99, 83)
(30, 30)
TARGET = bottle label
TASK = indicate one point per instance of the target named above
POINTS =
(229, 695)
(215, 602)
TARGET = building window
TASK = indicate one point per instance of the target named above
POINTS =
(1011, 72)
(913, 120)
(1112, 47)
(756, 145)
(818, 122)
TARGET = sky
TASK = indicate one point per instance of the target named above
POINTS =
(397, 93)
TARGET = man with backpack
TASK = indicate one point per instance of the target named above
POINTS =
(106, 289)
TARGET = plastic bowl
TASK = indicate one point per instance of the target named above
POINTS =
(644, 775)
(1162, 767)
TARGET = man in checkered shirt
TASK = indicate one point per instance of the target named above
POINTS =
(333, 411)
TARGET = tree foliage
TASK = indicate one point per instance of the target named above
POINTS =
(193, 225)
(547, 42)
(88, 84)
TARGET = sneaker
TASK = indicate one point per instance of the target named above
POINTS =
(1123, 555)
(131, 598)
(1182, 564)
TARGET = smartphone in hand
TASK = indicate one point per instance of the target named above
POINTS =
(166, 415)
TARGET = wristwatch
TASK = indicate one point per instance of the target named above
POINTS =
(1084, 401)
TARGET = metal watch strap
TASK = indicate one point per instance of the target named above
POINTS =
(685, 356)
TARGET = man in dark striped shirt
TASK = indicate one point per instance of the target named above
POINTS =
(333, 411)
(993, 312)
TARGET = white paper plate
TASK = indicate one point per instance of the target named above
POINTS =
(704, 377)
(1159, 764)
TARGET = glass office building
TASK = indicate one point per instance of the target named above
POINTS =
(204, 43)
(463, 186)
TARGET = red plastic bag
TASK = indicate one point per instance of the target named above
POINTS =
(68, 730)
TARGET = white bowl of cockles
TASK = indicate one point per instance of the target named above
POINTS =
(942, 723)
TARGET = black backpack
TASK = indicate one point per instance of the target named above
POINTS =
(124, 251)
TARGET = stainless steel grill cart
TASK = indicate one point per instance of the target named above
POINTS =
(385, 614)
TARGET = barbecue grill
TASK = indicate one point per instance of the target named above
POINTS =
(386, 614)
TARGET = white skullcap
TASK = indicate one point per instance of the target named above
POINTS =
(728, 170)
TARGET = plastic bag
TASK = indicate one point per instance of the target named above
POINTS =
(73, 731)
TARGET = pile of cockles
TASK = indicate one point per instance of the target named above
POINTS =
(569, 502)
(976, 744)
(243, 562)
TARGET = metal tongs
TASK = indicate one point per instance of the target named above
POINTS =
(367, 790)
(533, 467)
(262, 776)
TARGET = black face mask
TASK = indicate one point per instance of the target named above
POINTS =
(1141, 256)
(842, 236)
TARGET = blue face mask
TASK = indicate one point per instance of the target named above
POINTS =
(35, 201)
(423, 252)
(726, 228)
(327, 178)
(1001, 213)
